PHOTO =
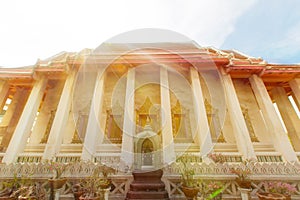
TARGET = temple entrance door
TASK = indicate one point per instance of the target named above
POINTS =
(147, 149)
(147, 155)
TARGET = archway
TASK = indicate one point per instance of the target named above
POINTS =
(147, 149)
(147, 156)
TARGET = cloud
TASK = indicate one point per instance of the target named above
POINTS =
(290, 44)
(207, 22)
(268, 30)
(39, 29)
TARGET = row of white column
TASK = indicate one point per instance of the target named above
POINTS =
(202, 137)
(24, 126)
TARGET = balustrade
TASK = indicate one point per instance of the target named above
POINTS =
(289, 172)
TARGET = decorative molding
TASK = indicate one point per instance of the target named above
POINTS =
(287, 172)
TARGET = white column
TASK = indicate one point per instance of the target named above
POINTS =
(94, 134)
(241, 132)
(12, 115)
(280, 138)
(289, 115)
(22, 131)
(295, 85)
(127, 152)
(18, 96)
(60, 119)
(45, 115)
(203, 136)
(4, 87)
(166, 117)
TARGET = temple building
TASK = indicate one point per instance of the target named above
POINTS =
(142, 105)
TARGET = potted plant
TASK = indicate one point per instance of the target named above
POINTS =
(58, 168)
(243, 172)
(30, 192)
(8, 187)
(279, 187)
(98, 185)
(189, 184)
(105, 171)
(212, 190)
(11, 186)
(57, 181)
(91, 188)
(78, 190)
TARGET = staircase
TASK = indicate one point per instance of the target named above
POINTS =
(147, 185)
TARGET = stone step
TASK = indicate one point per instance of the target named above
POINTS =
(147, 195)
(147, 185)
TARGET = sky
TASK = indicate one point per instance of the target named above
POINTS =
(38, 29)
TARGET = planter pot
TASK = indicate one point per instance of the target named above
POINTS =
(269, 196)
(190, 192)
(244, 183)
(57, 183)
(287, 197)
(105, 185)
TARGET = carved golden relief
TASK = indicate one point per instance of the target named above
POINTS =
(181, 124)
(214, 123)
(75, 138)
(49, 125)
(114, 123)
(148, 111)
(249, 124)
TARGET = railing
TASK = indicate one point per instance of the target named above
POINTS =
(269, 158)
(67, 158)
(30, 158)
(112, 160)
(288, 172)
(233, 158)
